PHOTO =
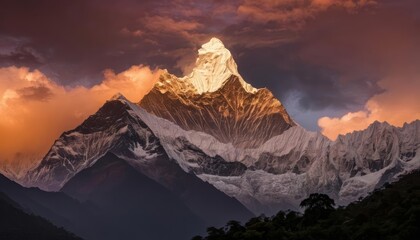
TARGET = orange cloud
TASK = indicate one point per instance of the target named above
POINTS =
(400, 103)
(34, 110)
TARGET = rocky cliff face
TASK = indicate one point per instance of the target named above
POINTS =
(112, 128)
(216, 100)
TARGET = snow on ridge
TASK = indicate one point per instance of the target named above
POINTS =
(328, 161)
(213, 68)
(282, 171)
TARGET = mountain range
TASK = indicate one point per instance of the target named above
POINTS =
(207, 148)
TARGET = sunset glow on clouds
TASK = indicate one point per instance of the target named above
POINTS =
(35, 110)
(343, 63)
(400, 103)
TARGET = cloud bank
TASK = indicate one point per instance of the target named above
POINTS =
(35, 110)
(400, 103)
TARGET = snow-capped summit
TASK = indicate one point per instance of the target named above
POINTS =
(213, 68)
(214, 45)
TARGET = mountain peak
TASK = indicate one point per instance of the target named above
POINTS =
(118, 96)
(213, 67)
(214, 45)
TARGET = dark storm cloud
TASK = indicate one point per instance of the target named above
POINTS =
(22, 56)
(336, 60)
(318, 87)
(37, 93)
(78, 39)
(330, 54)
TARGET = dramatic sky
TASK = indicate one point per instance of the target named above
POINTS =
(337, 65)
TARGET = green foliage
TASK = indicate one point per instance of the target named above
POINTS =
(317, 201)
(392, 212)
(317, 206)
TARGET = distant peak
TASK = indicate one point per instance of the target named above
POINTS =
(378, 123)
(213, 67)
(118, 96)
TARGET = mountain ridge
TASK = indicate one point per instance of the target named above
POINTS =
(131, 200)
(118, 129)
(16, 223)
(241, 143)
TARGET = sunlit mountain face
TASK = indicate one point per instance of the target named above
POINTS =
(262, 107)
(216, 100)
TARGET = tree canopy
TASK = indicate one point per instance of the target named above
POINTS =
(392, 212)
